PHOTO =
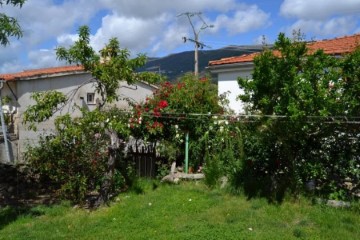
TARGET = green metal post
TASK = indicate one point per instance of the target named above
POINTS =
(187, 152)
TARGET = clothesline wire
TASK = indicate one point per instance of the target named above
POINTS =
(246, 117)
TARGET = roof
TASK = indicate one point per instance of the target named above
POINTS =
(336, 46)
(41, 72)
(236, 59)
(48, 72)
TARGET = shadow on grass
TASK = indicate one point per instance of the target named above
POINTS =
(20, 193)
(268, 187)
(10, 214)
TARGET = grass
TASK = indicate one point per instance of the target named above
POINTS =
(188, 210)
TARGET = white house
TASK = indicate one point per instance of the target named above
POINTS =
(73, 81)
(228, 70)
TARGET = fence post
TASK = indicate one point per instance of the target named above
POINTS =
(187, 152)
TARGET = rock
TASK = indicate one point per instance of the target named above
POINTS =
(176, 180)
(173, 168)
(224, 181)
(168, 178)
(335, 203)
(176, 176)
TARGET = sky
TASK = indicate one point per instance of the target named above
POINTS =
(157, 27)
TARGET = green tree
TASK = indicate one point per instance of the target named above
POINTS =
(108, 68)
(301, 137)
(9, 26)
(176, 109)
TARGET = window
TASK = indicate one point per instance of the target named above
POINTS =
(90, 98)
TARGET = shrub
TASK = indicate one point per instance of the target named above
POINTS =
(75, 158)
(223, 144)
(307, 129)
(173, 111)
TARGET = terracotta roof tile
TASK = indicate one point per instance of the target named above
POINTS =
(237, 59)
(40, 72)
(336, 46)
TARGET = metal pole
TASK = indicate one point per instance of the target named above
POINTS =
(196, 36)
(7, 149)
(187, 152)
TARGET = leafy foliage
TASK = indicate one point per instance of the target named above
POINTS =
(9, 26)
(75, 157)
(175, 109)
(308, 130)
(108, 68)
(85, 153)
(224, 154)
(47, 103)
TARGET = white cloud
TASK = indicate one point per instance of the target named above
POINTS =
(319, 9)
(133, 33)
(154, 8)
(243, 20)
(9, 60)
(11, 66)
(322, 18)
(66, 40)
(42, 20)
(261, 40)
(169, 39)
(150, 26)
(335, 26)
(43, 58)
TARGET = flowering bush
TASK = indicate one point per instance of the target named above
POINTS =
(308, 131)
(176, 109)
(224, 152)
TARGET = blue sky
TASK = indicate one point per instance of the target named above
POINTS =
(152, 26)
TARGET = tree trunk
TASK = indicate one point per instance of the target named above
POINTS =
(107, 184)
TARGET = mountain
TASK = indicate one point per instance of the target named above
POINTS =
(177, 64)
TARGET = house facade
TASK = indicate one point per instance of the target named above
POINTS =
(228, 70)
(72, 81)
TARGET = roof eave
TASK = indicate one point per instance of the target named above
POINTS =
(229, 67)
(47, 75)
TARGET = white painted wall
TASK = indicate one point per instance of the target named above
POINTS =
(227, 82)
(67, 84)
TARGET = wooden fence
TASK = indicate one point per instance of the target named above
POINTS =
(144, 158)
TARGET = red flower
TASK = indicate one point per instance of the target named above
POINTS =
(203, 79)
(179, 85)
(157, 125)
(156, 112)
(163, 104)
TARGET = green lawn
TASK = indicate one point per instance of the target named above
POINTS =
(185, 211)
